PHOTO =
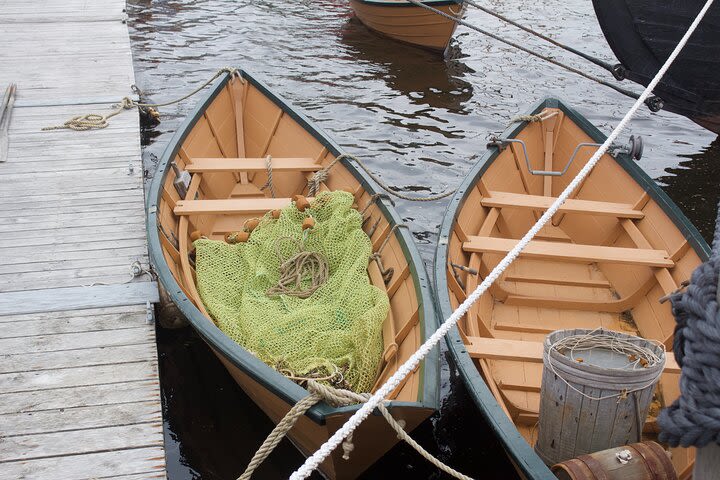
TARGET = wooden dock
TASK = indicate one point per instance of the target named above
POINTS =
(79, 387)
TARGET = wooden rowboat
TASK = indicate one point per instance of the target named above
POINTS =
(642, 33)
(223, 145)
(616, 247)
(403, 21)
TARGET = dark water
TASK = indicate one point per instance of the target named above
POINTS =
(420, 122)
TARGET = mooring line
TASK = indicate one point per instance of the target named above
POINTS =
(313, 462)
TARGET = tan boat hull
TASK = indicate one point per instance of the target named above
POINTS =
(409, 23)
(224, 146)
(616, 247)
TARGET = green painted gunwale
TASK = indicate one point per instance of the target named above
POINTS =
(269, 378)
(520, 452)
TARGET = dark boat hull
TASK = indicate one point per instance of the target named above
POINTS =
(643, 33)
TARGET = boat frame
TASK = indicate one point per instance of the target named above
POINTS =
(522, 455)
(279, 385)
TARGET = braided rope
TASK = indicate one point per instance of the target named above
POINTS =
(557, 63)
(326, 449)
(302, 265)
(321, 176)
(269, 182)
(336, 397)
(97, 121)
(694, 418)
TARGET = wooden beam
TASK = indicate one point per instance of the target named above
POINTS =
(571, 252)
(210, 165)
(537, 202)
(524, 351)
(249, 206)
(547, 280)
(72, 298)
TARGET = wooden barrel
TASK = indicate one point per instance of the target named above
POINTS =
(639, 461)
(584, 404)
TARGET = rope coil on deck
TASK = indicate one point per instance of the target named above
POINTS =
(383, 391)
(98, 121)
(694, 418)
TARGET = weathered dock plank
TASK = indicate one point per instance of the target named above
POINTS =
(79, 386)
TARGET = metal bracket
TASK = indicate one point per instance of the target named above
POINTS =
(549, 173)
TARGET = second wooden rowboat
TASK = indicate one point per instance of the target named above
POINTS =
(616, 247)
(403, 21)
(223, 145)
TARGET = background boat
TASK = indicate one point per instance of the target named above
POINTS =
(403, 21)
(642, 33)
(616, 247)
(224, 143)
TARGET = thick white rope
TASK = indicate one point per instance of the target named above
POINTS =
(312, 462)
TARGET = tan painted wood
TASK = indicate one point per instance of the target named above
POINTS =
(501, 349)
(209, 165)
(231, 206)
(556, 280)
(536, 202)
(572, 252)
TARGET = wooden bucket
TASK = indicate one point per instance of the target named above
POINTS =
(640, 461)
(583, 407)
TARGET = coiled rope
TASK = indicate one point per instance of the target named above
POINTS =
(694, 418)
(558, 63)
(312, 462)
(97, 121)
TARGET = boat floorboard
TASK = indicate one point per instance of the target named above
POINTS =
(79, 385)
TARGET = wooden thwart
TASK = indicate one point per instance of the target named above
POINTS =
(570, 251)
(210, 165)
(537, 202)
(230, 206)
(524, 351)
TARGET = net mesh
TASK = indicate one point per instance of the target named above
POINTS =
(336, 333)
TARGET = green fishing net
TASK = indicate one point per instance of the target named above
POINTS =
(337, 331)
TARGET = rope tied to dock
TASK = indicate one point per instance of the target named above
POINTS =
(336, 397)
(694, 418)
(98, 121)
(411, 363)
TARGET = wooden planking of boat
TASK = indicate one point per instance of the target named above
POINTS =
(408, 23)
(615, 248)
(643, 33)
(223, 144)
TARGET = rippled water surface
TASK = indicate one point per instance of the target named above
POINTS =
(420, 122)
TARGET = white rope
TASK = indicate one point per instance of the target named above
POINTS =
(312, 462)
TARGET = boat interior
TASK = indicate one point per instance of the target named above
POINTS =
(229, 150)
(608, 258)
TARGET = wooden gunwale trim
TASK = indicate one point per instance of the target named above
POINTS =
(434, 3)
(280, 386)
(183, 234)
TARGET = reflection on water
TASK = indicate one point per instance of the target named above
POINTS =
(417, 120)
